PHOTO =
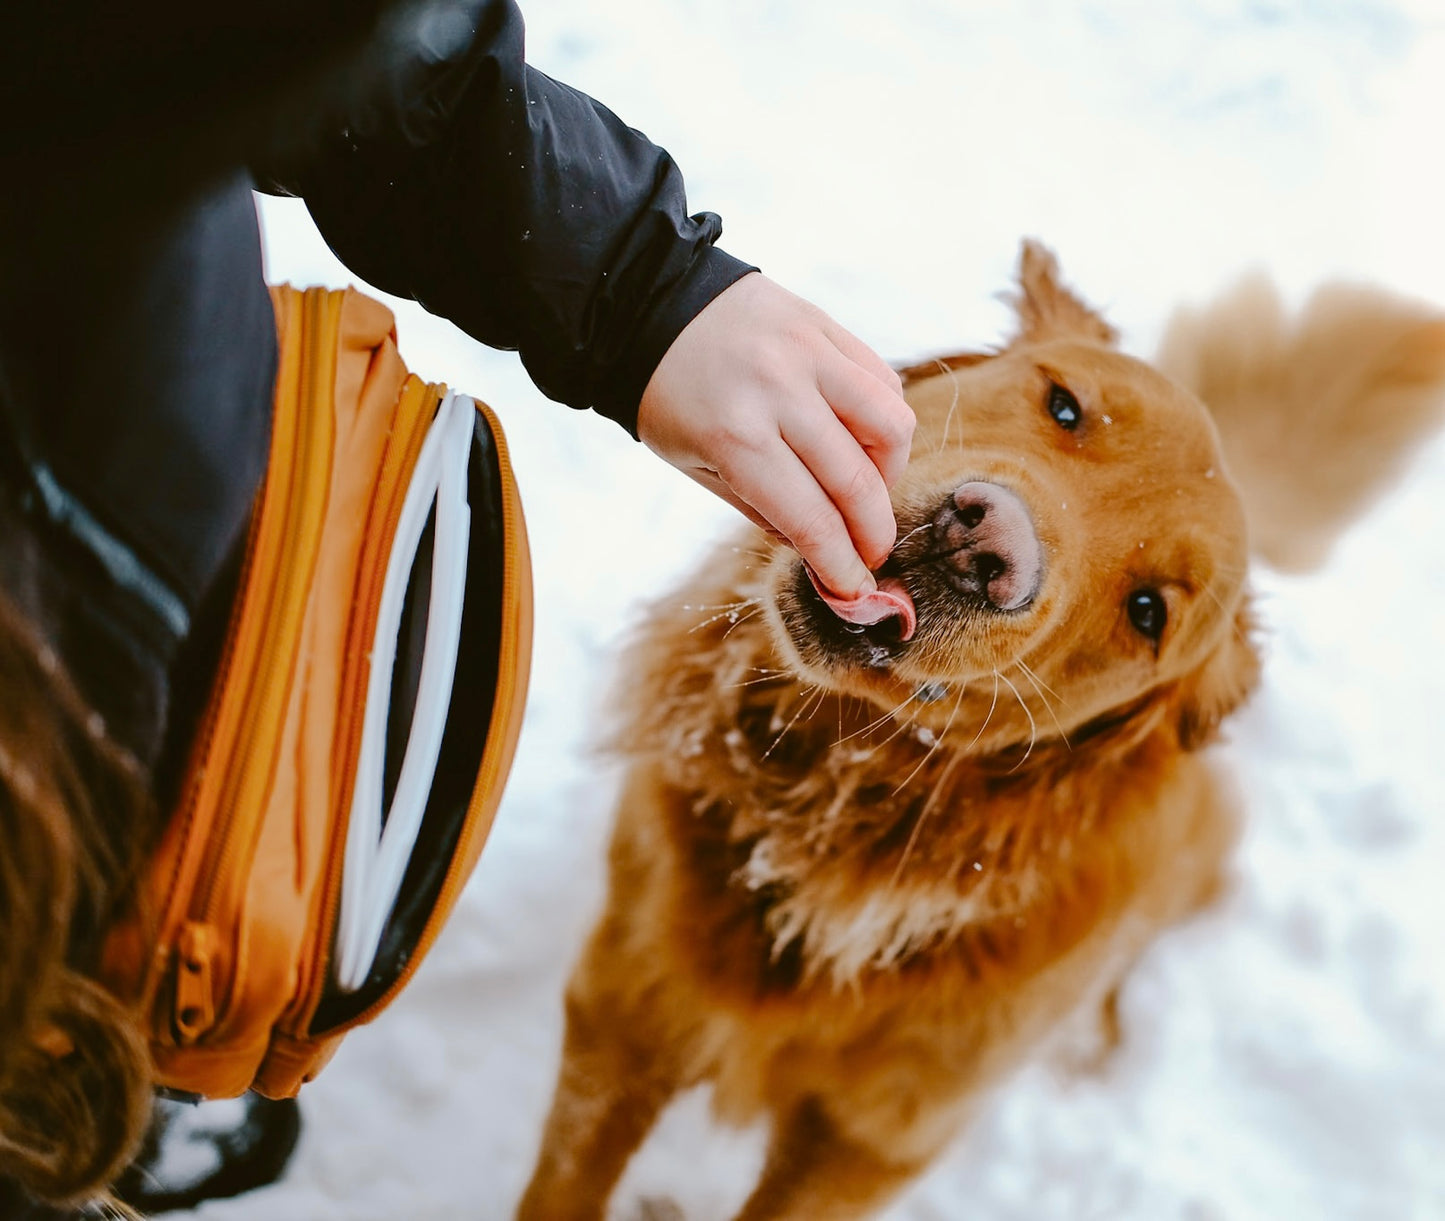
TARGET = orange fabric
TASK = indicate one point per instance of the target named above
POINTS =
(227, 954)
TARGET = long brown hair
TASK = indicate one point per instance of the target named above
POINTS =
(75, 821)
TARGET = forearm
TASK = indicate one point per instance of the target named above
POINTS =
(523, 211)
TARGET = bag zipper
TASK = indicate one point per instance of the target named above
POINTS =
(416, 409)
(287, 538)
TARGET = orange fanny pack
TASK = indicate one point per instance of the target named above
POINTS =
(361, 727)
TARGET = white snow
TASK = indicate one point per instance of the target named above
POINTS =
(1284, 1055)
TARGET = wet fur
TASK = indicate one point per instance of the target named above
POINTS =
(853, 896)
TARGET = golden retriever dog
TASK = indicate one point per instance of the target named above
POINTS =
(859, 873)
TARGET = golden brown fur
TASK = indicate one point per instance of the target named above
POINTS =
(855, 882)
(1362, 371)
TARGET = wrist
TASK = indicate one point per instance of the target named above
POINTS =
(710, 274)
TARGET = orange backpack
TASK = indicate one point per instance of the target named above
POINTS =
(323, 834)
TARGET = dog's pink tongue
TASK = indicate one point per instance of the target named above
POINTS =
(890, 599)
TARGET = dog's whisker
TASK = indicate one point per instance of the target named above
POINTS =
(900, 727)
(729, 610)
(992, 705)
(917, 767)
(756, 551)
(933, 745)
(952, 407)
(1234, 623)
(765, 676)
(1033, 725)
(938, 787)
(723, 607)
(916, 530)
(1044, 699)
(803, 706)
(739, 621)
(1039, 682)
(872, 725)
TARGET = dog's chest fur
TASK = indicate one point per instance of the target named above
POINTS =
(859, 843)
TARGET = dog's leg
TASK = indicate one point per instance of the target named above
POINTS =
(815, 1173)
(613, 1083)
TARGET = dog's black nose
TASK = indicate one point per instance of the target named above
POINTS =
(989, 546)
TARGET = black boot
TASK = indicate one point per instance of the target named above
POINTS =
(210, 1151)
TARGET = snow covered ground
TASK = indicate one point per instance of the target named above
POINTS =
(1285, 1055)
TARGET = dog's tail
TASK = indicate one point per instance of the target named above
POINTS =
(1317, 414)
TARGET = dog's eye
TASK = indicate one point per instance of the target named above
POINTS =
(1064, 407)
(1147, 613)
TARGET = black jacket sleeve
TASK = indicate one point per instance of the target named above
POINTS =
(516, 207)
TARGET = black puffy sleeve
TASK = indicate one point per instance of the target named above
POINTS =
(520, 209)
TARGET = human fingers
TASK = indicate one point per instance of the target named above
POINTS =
(865, 357)
(781, 489)
(847, 475)
(708, 478)
(880, 420)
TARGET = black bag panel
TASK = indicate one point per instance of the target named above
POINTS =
(464, 739)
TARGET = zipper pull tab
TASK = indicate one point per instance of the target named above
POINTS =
(195, 1006)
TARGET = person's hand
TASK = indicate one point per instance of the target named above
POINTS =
(767, 402)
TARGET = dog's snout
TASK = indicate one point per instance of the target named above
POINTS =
(988, 546)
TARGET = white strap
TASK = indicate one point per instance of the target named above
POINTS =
(376, 858)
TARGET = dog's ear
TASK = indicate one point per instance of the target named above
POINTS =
(936, 365)
(1203, 698)
(1317, 415)
(1048, 310)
